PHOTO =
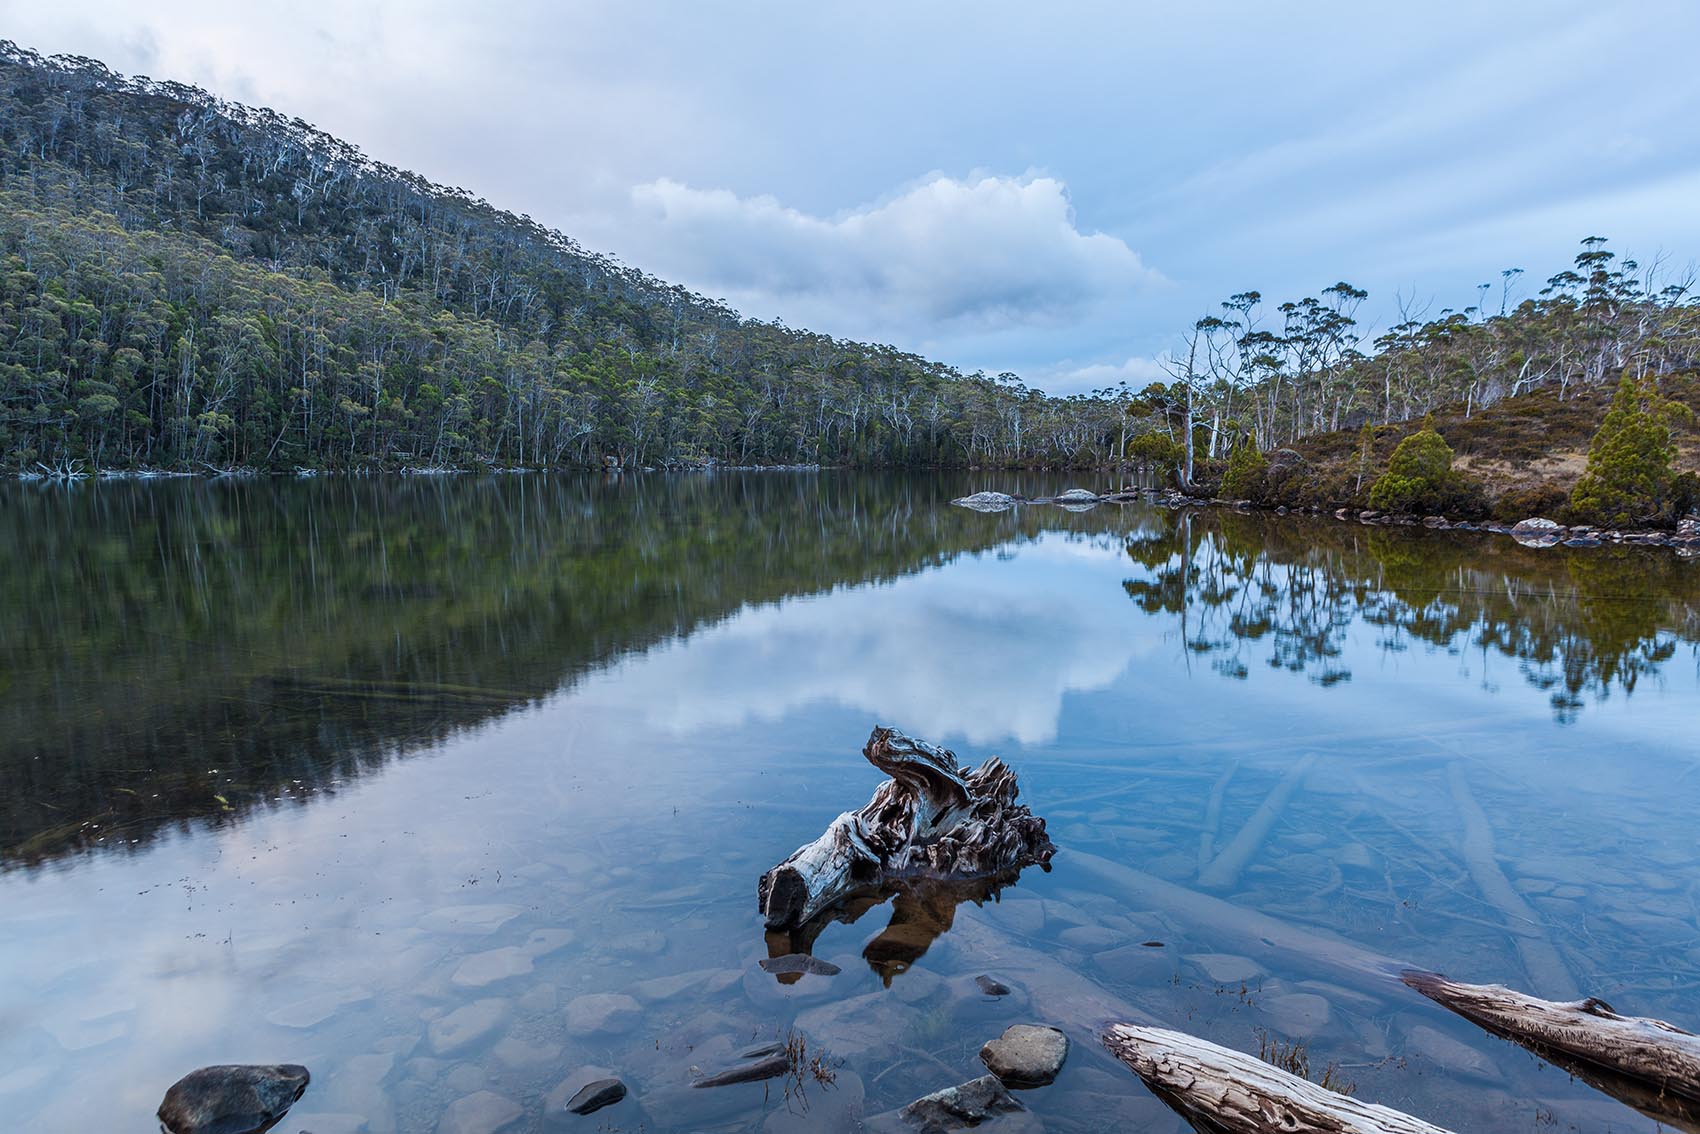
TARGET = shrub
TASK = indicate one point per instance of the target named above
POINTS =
(1629, 480)
(1420, 479)
(1548, 500)
(1157, 452)
(1247, 468)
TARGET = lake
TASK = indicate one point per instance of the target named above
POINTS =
(453, 788)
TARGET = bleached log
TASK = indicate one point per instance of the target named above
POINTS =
(1227, 867)
(933, 819)
(1221, 1091)
(1648, 1064)
(1540, 957)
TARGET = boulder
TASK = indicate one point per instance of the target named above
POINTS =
(1026, 1055)
(594, 1096)
(986, 501)
(1077, 496)
(232, 1098)
(1537, 531)
(981, 1104)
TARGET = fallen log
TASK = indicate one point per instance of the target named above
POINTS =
(933, 819)
(1647, 1064)
(1545, 967)
(1225, 870)
(1221, 1091)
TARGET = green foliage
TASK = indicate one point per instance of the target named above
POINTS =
(1629, 480)
(1247, 468)
(1420, 480)
(1156, 451)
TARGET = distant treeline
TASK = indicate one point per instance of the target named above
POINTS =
(192, 282)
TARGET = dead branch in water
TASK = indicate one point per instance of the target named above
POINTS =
(1221, 1091)
(1648, 1064)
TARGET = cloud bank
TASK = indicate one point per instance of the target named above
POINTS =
(945, 254)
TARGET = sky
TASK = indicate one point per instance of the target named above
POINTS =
(1055, 189)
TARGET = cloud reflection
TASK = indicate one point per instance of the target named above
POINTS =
(930, 652)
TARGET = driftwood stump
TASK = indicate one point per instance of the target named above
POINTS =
(932, 820)
(1221, 1091)
(1647, 1064)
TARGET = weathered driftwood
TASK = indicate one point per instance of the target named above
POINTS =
(1648, 1064)
(1220, 1091)
(933, 819)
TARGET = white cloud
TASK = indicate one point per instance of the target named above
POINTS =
(1068, 378)
(985, 252)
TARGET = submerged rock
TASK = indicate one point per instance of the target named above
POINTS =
(981, 1103)
(986, 501)
(232, 1098)
(1026, 1055)
(594, 1096)
(798, 963)
(602, 1012)
(482, 1113)
(466, 1025)
(991, 987)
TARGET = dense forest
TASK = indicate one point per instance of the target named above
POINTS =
(190, 283)
(187, 282)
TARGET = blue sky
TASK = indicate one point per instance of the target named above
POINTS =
(1053, 189)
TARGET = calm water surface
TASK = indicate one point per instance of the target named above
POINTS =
(386, 776)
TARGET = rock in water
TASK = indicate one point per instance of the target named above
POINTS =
(986, 501)
(1537, 531)
(482, 1113)
(602, 1013)
(595, 1096)
(1026, 1055)
(232, 1098)
(798, 963)
(991, 987)
(1078, 496)
(968, 1105)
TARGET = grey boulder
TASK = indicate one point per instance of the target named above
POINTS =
(232, 1098)
(1026, 1055)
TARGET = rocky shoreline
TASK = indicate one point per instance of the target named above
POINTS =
(1536, 531)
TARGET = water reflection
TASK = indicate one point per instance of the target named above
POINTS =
(197, 650)
(922, 911)
(1249, 590)
(564, 884)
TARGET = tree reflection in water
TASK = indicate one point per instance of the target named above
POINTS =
(1286, 592)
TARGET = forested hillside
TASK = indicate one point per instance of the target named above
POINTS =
(188, 282)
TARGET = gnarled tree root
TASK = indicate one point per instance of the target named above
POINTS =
(933, 819)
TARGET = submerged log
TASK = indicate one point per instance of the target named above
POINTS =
(1647, 1064)
(933, 819)
(1221, 1091)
